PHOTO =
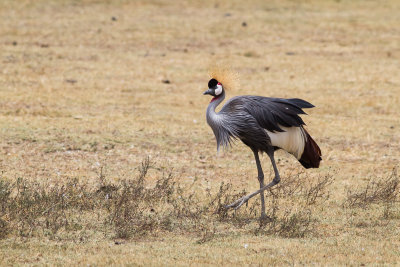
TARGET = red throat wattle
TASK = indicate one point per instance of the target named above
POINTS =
(214, 98)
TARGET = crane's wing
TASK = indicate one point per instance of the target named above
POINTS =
(269, 112)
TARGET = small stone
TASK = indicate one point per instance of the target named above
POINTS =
(114, 18)
(244, 24)
(290, 53)
(72, 81)
(166, 81)
(14, 43)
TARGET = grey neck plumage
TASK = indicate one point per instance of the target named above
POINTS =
(215, 120)
(213, 105)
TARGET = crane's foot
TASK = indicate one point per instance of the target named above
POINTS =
(238, 203)
(265, 218)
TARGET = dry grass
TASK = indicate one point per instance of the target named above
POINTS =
(133, 208)
(375, 192)
(84, 99)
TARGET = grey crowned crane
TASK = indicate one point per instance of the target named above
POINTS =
(265, 125)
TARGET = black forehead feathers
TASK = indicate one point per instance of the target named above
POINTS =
(212, 83)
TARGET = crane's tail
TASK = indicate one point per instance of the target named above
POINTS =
(312, 153)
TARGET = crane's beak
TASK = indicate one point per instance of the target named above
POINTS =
(208, 92)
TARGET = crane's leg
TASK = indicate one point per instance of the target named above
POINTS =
(238, 203)
(277, 178)
(261, 180)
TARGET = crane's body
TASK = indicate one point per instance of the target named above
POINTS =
(264, 124)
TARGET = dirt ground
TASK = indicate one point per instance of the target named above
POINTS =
(99, 85)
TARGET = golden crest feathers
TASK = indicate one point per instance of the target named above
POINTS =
(226, 76)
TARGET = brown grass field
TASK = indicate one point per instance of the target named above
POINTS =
(84, 102)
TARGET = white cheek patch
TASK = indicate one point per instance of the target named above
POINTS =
(218, 91)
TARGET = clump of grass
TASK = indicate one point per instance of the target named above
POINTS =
(377, 191)
(250, 54)
(5, 191)
(207, 232)
(289, 214)
(129, 208)
(137, 210)
(288, 205)
(224, 196)
(290, 224)
(305, 187)
(287, 218)
(29, 209)
(374, 204)
(137, 207)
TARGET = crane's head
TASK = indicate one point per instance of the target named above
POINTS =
(214, 88)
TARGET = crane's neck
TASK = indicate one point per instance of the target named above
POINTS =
(214, 104)
(213, 118)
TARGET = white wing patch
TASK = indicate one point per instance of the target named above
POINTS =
(218, 91)
(292, 140)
